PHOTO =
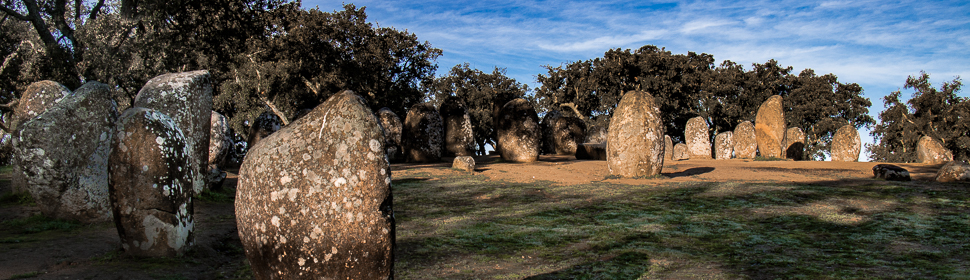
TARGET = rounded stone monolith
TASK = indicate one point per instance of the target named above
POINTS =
(459, 136)
(392, 126)
(724, 145)
(697, 138)
(931, 151)
(561, 134)
(745, 141)
(518, 131)
(423, 134)
(37, 98)
(769, 128)
(680, 152)
(846, 144)
(635, 139)
(794, 144)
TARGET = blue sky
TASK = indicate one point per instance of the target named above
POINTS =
(876, 44)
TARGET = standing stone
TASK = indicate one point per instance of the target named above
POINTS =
(186, 97)
(794, 143)
(846, 144)
(680, 152)
(518, 131)
(219, 146)
(931, 151)
(423, 134)
(745, 141)
(668, 148)
(596, 134)
(562, 134)
(265, 124)
(591, 151)
(635, 146)
(464, 163)
(724, 145)
(314, 199)
(698, 139)
(63, 155)
(392, 126)
(459, 136)
(954, 171)
(37, 98)
(151, 186)
(769, 126)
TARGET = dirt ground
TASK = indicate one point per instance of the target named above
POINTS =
(91, 251)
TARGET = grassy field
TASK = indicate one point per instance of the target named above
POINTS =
(465, 227)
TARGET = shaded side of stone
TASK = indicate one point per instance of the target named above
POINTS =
(36, 99)
(150, 184)
(890, 172)
(314, 199)
(846, 144)
(794, 143)
(635, 138)
(745, 141)
(459, 135)
(219, 141)
(769, 127)
(392, 126)
(518, 131)
(561, 134)
(724, 145)
(591, 151)
(697, 138)
(596, 134)
(265, 124)
(423, 134)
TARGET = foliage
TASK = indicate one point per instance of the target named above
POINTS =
(17, 198)
(938, 113)
(483, 94)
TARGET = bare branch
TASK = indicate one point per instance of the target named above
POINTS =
(10, 106)
(95, 10)
(312, 87)
(275, 110)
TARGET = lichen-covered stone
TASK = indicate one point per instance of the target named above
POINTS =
(591, 151)
(561, 134)
(745, 141)
(697, 138)
(459, 136)
(186, 97)
(37, 98)
(931, 151)
(846, 144)
(769, 128)
(423, 134)
(668, 148)
(724, 145)
(596, 134)
(265, 124)
(954, 171)
(680, 152)
(219, 141)
(392, 126)
(794, 143)
(890, 172)
(518, 131)
(314, 199)
(63, 155)
(464, 163)
(151, 184)
(635, 139)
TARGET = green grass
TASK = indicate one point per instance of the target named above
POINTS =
(761, 158)
(465, 226)
(19, 198)
(224, 195)
(38, 224)
(31, 274)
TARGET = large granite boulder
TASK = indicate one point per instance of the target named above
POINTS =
(186, 97)
(561, 134)
(518, 131)
(219, 141)
(698, 138)
(794, 144)
(680, 152)
(314, 199)
(37, 98)
(423, 134)
(890, 172)
(459, 135)
(846, 144)
(668, 148)
(596, 134)
(151, 184)
(954, 171)
(63, 155)
(724, 145)
(745, 141)
(464, 163)
(769, 127)
(591, 151)
(392, 126)
(265, 124)
(635, 145)
(931, 151)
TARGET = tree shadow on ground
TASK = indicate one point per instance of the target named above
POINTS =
(689, 172)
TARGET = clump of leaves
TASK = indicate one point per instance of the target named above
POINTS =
(17, 198)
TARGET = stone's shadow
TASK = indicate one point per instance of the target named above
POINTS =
(689, 172)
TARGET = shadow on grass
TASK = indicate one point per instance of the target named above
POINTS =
(690, 172)
(485, 229)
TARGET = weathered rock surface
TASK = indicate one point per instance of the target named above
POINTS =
(635, 145)
(954, 171)
(464, 163)
(668, 148)
(219, 141)
(37, 98)
(392, 126)
(314, 199)
(697, 138)
(794, 143)
(931, 151)
(562, 134)
(596, 134)
(63, 155)
(745, 141)
(890, 172)
(680, 152)
(265, 124)
(724, 145)
(423, 134)
(591, 151)
(459, 135)
(846, 144)
(769, 128)
(186, 97)
(518, 131)
(151, 184)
